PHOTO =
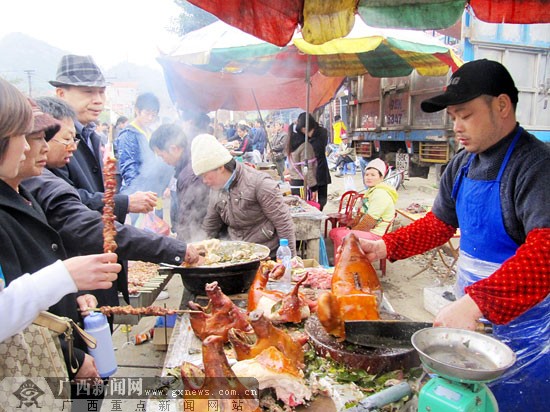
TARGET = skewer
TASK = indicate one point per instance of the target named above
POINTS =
(175, 311)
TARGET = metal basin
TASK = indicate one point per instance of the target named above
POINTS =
(462, 355)
(232, 278)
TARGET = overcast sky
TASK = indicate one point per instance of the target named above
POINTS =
(110, 30)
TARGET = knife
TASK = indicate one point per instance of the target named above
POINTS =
(382, 333)
(390, 333)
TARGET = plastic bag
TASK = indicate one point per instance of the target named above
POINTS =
(323, 256)
(152, 223)
(349, 183)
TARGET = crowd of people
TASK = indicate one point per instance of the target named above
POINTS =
(52, 186)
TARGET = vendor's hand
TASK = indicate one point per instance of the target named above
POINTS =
(201, 249)
(374, 249)
(142, 202)
(93, 271)
(87, 370)
(192, 256)
(166, 193)
(463, 314)
(86, 302)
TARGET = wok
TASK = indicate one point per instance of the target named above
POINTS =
(232, 278)
(462, 355)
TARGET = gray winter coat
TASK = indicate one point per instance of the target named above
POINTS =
(252, 210)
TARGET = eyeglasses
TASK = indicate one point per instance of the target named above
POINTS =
(74, 143)
(150, 113)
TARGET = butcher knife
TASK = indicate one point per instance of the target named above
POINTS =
(383, 333)
(389, 333)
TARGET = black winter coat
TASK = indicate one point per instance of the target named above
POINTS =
(319, 141)
(28, 244)
(84, 172)
(82, 229)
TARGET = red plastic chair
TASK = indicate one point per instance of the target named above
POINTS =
(334, 218)
(354, 206)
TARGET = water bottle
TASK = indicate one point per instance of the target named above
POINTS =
(283, 256)
(104, 354)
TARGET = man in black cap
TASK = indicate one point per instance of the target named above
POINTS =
(496, 192)
(80, 83)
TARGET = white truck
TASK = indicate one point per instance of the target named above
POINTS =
(384, 115)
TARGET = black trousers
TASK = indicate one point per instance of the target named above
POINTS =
(322, 192)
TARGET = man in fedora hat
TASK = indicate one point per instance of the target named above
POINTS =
(80, 83)
(496, 192)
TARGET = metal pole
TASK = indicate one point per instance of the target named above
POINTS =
(306, 134)
(29, 80)
(263, 124)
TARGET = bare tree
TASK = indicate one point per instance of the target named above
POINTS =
(191, 18)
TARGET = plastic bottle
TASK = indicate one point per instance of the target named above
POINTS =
(284, 254)
(104, 354)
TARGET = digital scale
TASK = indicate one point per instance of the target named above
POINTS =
(460, 363)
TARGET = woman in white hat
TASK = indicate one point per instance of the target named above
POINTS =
(377, 209)
(244, 201)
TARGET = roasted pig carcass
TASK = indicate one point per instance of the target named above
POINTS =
(258, 290)
(217, 378)
(356, 291)
(247, 345)
(276, 305)
(220, 315)
(274, 370)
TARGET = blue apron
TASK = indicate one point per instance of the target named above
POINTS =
(484, 246)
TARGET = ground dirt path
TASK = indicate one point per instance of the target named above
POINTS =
(405, 294)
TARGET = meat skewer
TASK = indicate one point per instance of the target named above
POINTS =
(130, 310)
(109, 230)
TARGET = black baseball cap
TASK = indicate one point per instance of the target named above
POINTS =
(472, 80)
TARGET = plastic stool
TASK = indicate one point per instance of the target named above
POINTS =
(349, 168)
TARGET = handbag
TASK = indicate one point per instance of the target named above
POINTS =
(365, 223)
(36, 352)
(32, 366)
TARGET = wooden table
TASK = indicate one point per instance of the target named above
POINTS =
(436, 251)
(308, 224)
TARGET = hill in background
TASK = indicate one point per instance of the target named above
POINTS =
(21, 53)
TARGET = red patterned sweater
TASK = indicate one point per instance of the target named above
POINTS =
(519, 284)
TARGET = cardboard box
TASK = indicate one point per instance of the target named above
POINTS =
(163, 331)
(310, 263)
(161, 338)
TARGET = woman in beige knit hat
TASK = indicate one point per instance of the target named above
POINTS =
(244, 201)
(377, 209)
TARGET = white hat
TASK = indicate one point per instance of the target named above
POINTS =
(208, 154)
(243, 123)
(379, 165)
